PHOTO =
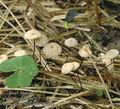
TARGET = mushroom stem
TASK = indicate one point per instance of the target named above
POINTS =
(78, 75)
(33, 48)
(74, 80)
(80, 82)
(40, 54)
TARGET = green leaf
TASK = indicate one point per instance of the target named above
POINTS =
(66, 25)
(23, 63)
(99, 92)
(24, 69)
(29, 66)
(18, 79)
(8, 66)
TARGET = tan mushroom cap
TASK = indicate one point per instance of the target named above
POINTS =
(85, 51)
(42, 41)
(71, 42)
(112, 53)
(32, 34)
(67, 68)
(52, 50)
(75, 65)
(20, 53)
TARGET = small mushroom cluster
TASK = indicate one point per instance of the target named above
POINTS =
(108, 58)
(50, 50)
(53, 50)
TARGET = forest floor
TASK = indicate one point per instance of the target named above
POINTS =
(93, 24)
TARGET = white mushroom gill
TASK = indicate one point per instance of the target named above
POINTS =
(52, 50)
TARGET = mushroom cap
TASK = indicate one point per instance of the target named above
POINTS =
(52, 50)
(32, 34)
(71, 42)
(85, 51)
(102, 56)
(42, 41)
(3, 58)
(107, 58)
(67, 68)
(75, 65)
(20, 53)
(112, 53)
(109, 64)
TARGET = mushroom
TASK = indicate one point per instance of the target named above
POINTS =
(20, 53)
(52, 50)
(71, 42)
(42, 41)
(32, 35)
(3, 58)
(108, 58)
(85, 51)
(112, 53)
(76, 65)
(69, 67)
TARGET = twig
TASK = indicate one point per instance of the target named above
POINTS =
(91, 40)
(65, 99)
(33, 91)
(106, 89)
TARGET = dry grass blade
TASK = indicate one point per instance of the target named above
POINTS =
(95, 26)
